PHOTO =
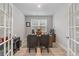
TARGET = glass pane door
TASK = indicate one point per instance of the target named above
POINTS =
(74, 29)
(6, 29)
(77, 29)
(1, 18)
(1, 41)
(2, 50)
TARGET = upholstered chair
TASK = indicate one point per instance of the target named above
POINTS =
(44, 42)
(32, 42)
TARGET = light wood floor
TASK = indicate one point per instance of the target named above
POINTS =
(55, 51)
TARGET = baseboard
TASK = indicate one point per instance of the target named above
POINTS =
(61, 46)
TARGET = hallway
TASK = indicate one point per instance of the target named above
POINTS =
(39, 25)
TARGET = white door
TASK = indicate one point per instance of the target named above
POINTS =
(6, 47)
(74, 30)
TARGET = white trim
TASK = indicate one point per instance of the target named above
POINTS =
(4, 34)
(4, 27)
(76, 26)
(72, 52)
(77, 32)
(1, 26)
(61, 45)
(75, 41)
(68, 30)
(12, 32)
(4, 10)
(5, 41)
(8, 52)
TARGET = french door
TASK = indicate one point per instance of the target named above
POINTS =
(74, 30)
(6, 46)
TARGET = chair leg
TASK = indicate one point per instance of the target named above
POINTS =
(35, 50)
(48, 50)
(41, 50)
(52, 45)
(29, 50)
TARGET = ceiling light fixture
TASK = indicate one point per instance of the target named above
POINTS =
(38, 6)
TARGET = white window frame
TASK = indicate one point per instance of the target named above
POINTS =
(39, 20)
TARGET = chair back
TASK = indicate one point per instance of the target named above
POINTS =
(31, 41)
(44, 41)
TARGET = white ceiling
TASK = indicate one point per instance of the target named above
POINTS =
(46, 8)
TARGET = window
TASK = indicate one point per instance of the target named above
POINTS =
(39, 24)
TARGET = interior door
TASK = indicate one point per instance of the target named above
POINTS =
(6, 29)
(74, 30)
(71, 31)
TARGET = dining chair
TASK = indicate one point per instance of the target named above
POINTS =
(44, 42)
(32, 42)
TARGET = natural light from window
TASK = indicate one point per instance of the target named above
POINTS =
(39, 24)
